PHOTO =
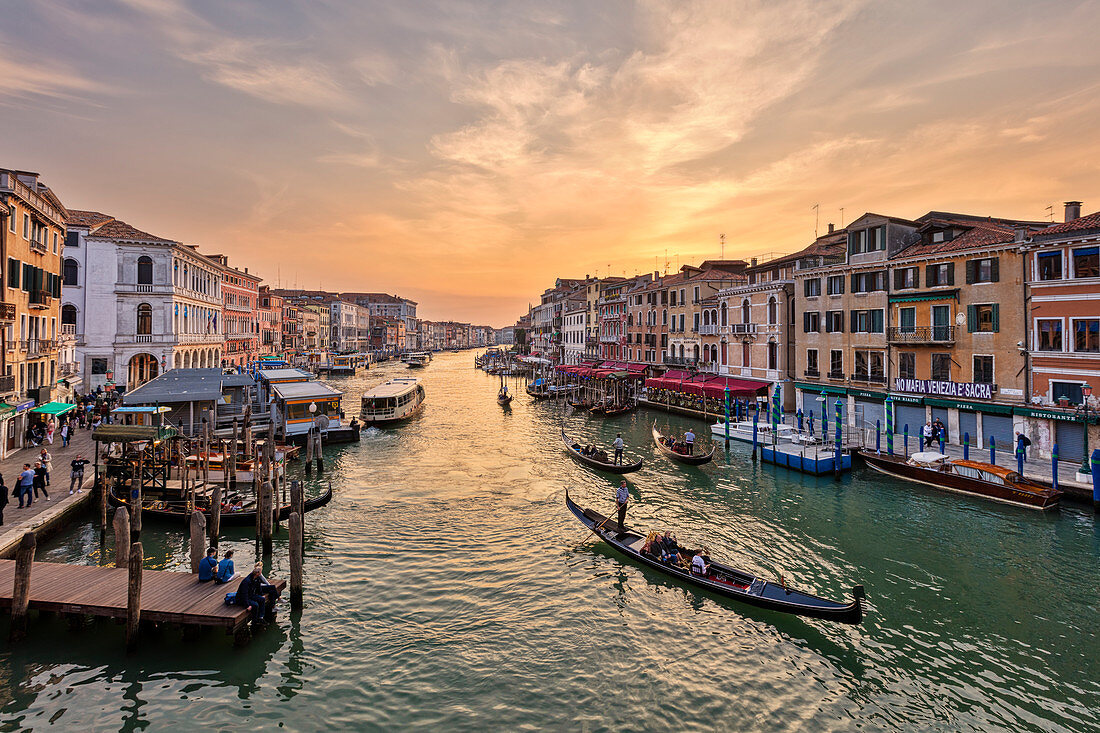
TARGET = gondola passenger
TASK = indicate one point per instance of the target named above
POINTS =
(699, 565)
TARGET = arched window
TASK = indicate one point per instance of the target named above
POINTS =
(745, 354)
(745, 311)
(706, 352)
(68, 314)
(145, 270)
(695, 352)
(773, 311)
(145, 319)
(706, 318)
(69, 272)
(773, 355)
(724, 313)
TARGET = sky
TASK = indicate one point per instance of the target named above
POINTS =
(464, 154)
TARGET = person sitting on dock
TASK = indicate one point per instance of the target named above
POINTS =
(208, 566)
(225, 569)
(250, 594)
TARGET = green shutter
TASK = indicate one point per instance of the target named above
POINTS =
(970, 268)
(950, 274)
(994, 269)
(971, 314)
(996, 318)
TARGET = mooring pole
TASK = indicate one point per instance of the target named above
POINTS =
(198, 539)
(135, 501)
(295, 525)
(122, 537)
(133, 596)
(21, 590)
(265, 516)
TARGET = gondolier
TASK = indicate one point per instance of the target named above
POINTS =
(618, 449)
(622, 496)
(689, 440)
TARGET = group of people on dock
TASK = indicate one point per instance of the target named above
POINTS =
(255, 592)
(33, 481)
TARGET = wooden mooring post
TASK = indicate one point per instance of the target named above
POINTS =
(231, 458)
(317, 454)
(198, 539)
(133, 596)
(21, 590)
(309, 453)
(298, 506)
(263, 516)
(295, 525)
(122, 537)
(216, 513)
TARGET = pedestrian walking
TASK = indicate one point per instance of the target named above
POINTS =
(65, 435)
(39, 480)
(47, 463)
(3, 499)
(926, 433)
(1022, 443)
(76, 473)
(26, 481)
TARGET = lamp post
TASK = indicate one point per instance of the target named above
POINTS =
(312, 418)
(1086, 390)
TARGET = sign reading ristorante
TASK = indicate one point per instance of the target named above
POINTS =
(969, 390)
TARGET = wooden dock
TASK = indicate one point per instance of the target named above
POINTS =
(166, 596)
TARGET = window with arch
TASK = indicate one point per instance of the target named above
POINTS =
(745, 354)
(68, 314)
(773, 312)
(745, 311)
(145, 319)
(70, 272)
(725, 311)
(145, 270)
(773, 355)
(706, 318)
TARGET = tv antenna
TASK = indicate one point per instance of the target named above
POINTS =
(817, 217)
(722, 239)
(841, 217)
(1050, 212)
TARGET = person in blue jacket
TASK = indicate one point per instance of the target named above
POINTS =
(225, 568)
(208, 566)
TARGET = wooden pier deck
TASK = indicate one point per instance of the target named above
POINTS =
(166, 596)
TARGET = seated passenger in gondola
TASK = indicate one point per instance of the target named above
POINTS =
(699, 564)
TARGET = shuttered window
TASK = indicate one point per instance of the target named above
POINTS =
(985, 270)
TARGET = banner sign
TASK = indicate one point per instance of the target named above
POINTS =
(966, 390)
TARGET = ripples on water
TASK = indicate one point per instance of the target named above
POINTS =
(448, 587)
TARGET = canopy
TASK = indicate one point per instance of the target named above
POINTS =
(54, 408)
(716, 387)
(131, 433)
(140, 410)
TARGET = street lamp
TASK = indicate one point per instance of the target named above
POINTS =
(1086, 390)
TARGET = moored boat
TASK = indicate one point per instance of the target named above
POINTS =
(691, 459)
(723, 579)
(392, 402)
(976, 478)
(742, 431)
(234, 514)
(600, 461)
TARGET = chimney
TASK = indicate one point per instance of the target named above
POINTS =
(1073, 210)
(830, 227)
(752, 262)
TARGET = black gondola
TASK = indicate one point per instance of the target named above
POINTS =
(696, 459)
(504, 400)
(596, 463)
(177, 511)
(722, 579)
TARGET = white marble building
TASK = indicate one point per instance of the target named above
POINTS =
(138, 304)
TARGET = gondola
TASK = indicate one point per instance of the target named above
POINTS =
(611, 410)
(537, 393)
(722, 579)
(580, 404)
(596, 463)
(697, 459)
(177, 512)
(504, 400)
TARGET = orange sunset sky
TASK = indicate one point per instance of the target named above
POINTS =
(464, 154)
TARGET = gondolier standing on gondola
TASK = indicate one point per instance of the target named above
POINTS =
(619, 450)
(622, 496)
(689, 440)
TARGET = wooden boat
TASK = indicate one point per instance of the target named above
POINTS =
(504, 400)
(723, 579)
(580, 404)
(538, 394)
(696, 459)
(177, 511)
(611, 410)
(965, 477)
(595, 462)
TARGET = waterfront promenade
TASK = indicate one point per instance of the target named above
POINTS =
(44, 514)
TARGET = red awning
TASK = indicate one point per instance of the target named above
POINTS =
(636, 367)
(716, 387)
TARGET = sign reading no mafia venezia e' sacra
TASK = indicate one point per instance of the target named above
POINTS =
(968, 390)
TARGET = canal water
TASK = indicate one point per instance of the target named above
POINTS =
(447, 587)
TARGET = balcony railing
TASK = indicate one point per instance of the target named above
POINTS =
(40, 299)
(7, 311)
(34, 347)
(921, 335)
(836, 374)
(812, 373)
(746, 328)
(873, 378)
(68, 329)
(680, 361)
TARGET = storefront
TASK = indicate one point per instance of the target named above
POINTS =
(908, 410)
(870, 408)
(810, 399)
(1049, 426)
(975, 415)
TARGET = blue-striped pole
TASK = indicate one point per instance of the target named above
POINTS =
(836, 459)
(878, 436)
(906, 440)
(1054, 466)
(824, 417)
(755, 418)
(941, 436)
(777, 402)
(798, 416)
(890, 425)
(966, 446)
(811, 423)
(1095, 478)
(993, 450)
(1020, 460)
(727, 416)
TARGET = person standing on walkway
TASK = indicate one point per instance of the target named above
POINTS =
(619, 445)
(926, 433)
(622, 497)
(47, 463)
(65, 434)
(3, 499)
(1022, 443)
(26, 481)
(39, 481)
(76, 474)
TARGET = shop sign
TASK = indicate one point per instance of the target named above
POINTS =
(24, 406)
(971, 390)
(1054, 415)
(908, 399)
(866, 394)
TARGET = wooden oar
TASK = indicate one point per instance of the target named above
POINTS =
(601, 524)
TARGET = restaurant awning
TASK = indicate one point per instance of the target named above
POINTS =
(716, 387)
(54, 408)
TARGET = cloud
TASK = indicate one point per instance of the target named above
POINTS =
(25, 81)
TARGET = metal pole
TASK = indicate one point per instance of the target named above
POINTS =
(890, 425)
(993, 450)
(966, 446)
(837, 466)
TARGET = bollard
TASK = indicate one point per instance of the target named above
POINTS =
(1020, 461)
(133, 596)
(122, 537)
(992, 450)
(878, 436)
(907, 440)
(216, 512)
(21, 590)
(198, 539)
(966, 446)
(295, 525)
(1054, 466)
(1095, 461)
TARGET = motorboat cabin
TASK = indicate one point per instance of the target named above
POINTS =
(396, 400)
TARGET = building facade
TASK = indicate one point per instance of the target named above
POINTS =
(240, 314)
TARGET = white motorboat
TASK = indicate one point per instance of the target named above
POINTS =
(743, 431)
(394, 401)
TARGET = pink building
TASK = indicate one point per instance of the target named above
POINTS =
(240, 314)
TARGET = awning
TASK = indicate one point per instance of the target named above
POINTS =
(6, 409)
(716, 387)
(54, 408)
(131, 433)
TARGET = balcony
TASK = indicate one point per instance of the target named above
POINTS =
(812, 373)
(37, 246)
(922, 335)
(7, 384)
(39, 299)
(68, 329)
(38, 347)
(7, 311)
(745, 328)
(679, 361)
(870, 378)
